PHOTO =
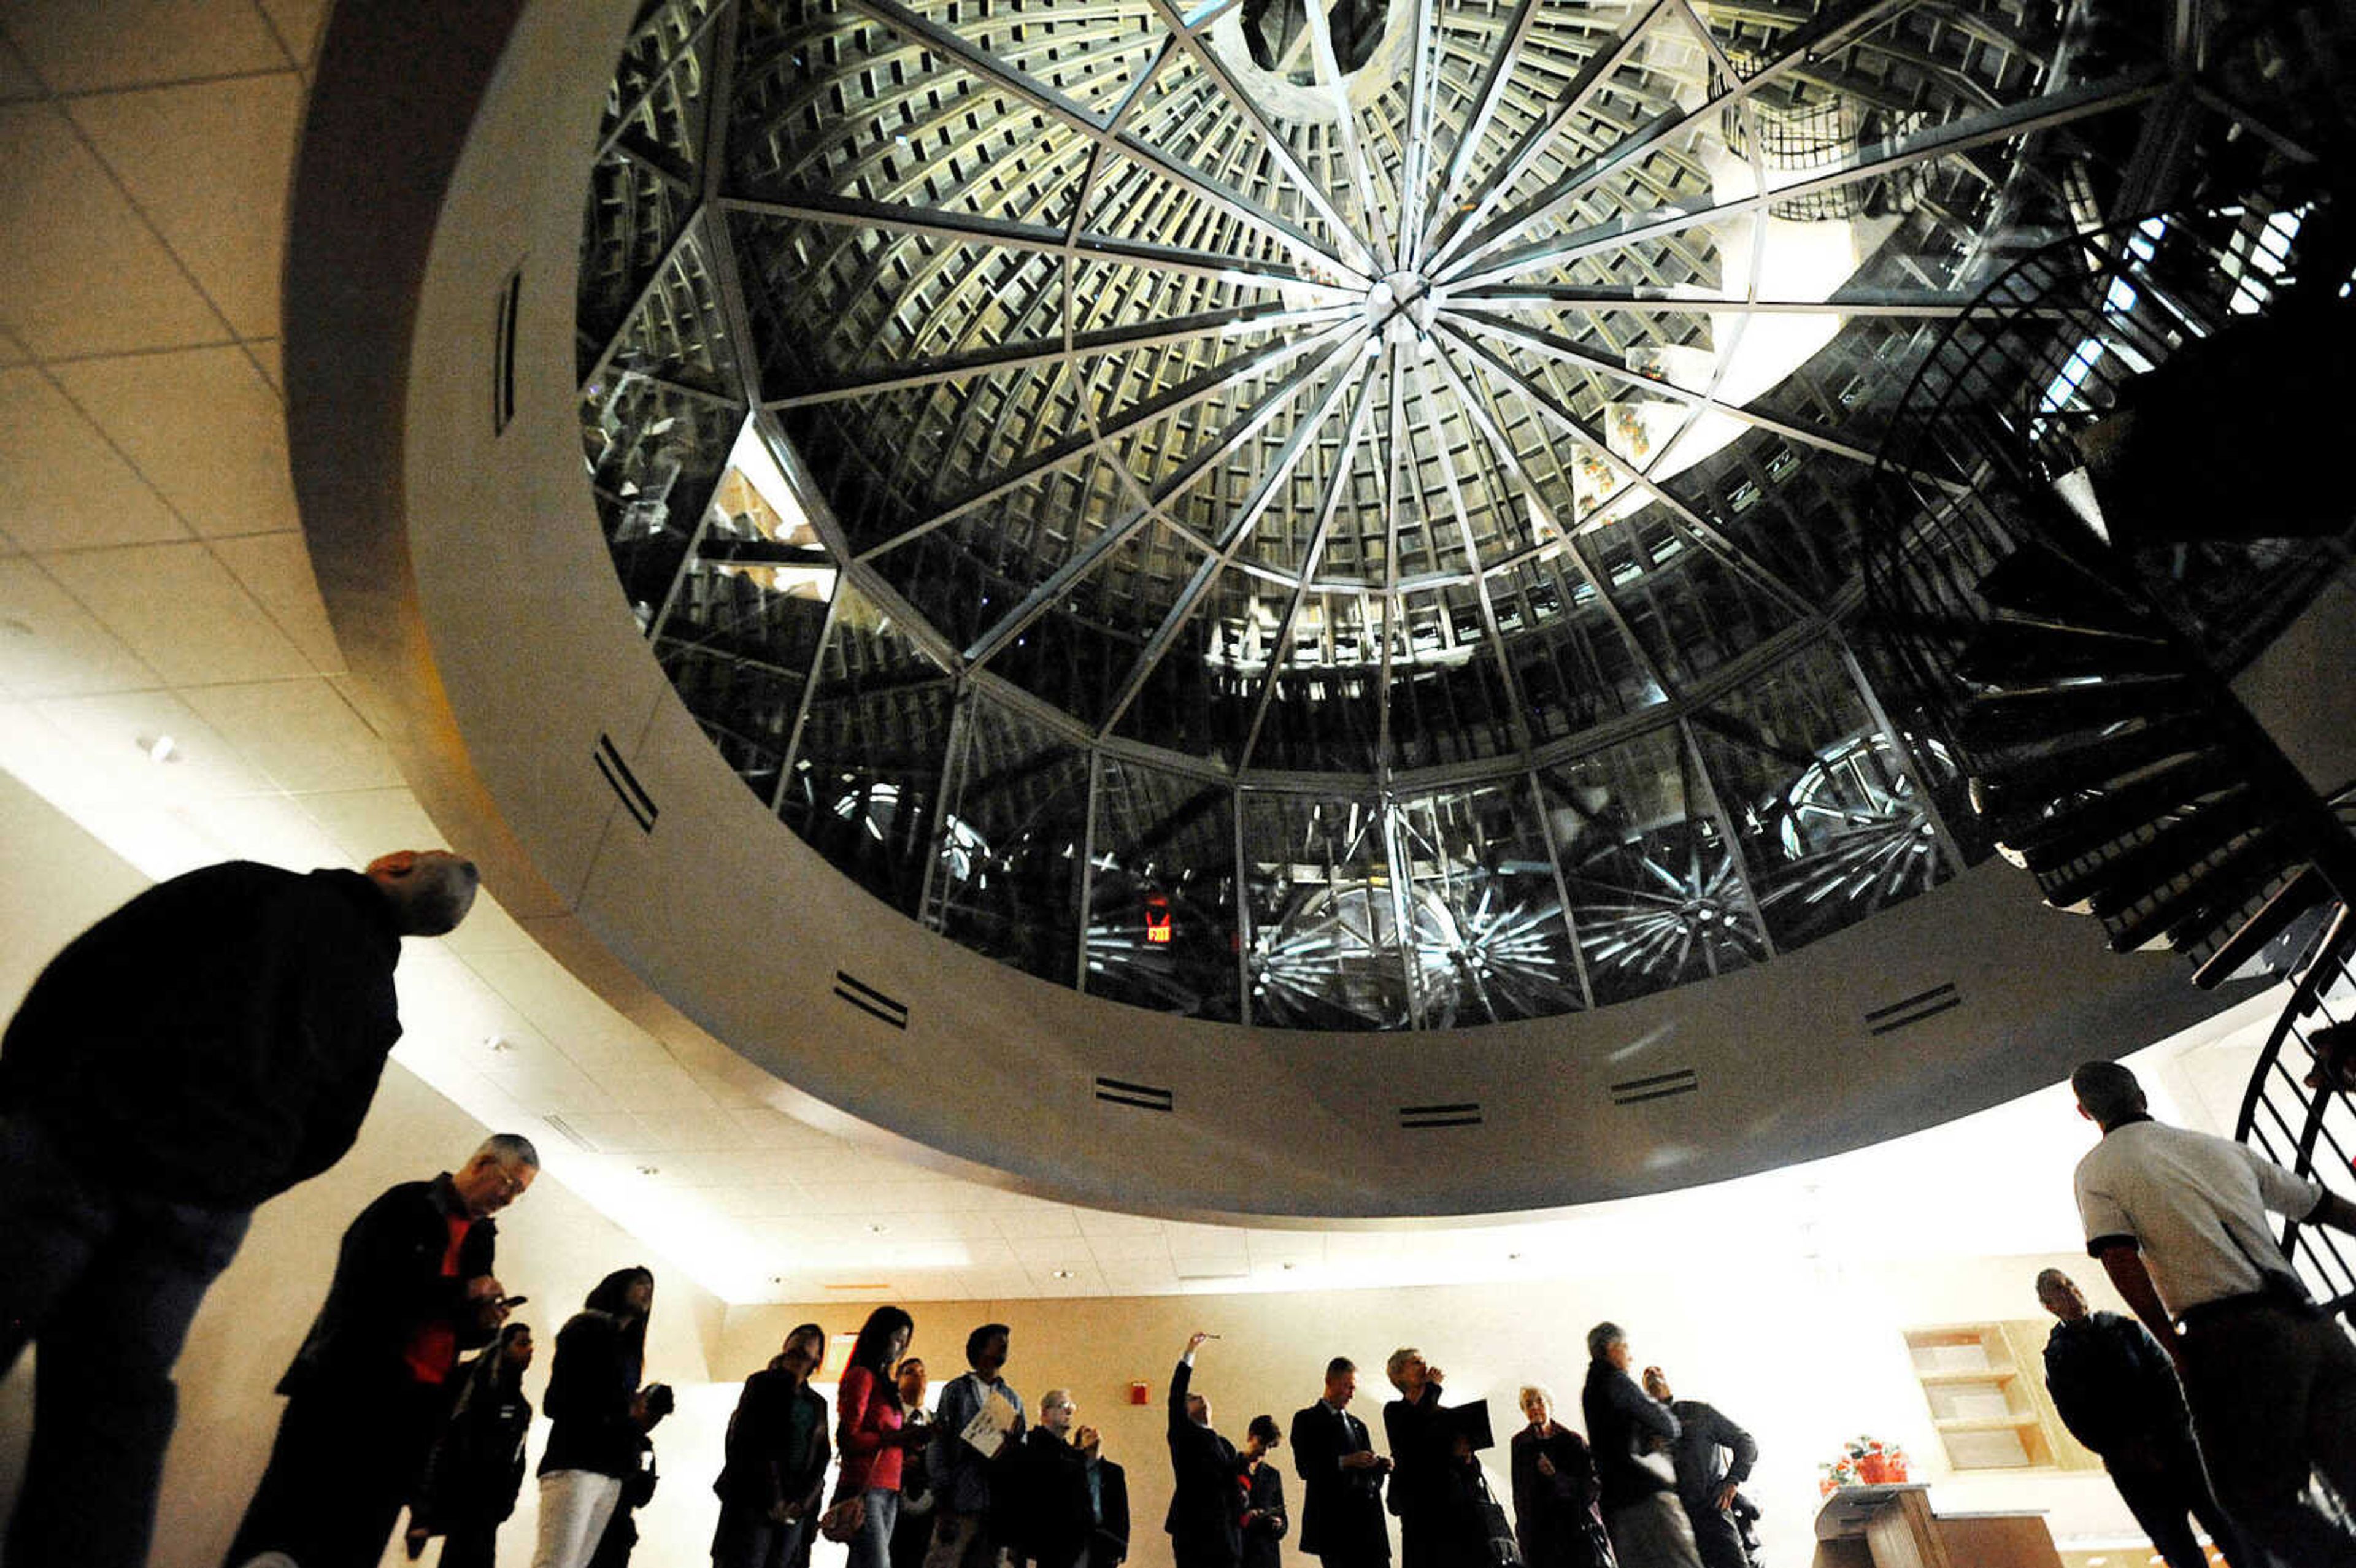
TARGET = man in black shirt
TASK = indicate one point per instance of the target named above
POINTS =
(1205, 1520)
(1713, 1457)
(201, 1050)
(1627, 1430)
(2115, 1390)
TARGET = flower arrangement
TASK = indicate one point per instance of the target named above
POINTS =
(1862, 1462)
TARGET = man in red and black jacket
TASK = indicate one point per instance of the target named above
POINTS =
(366, 1394)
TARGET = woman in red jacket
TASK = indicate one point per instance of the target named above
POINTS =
(870, 1433)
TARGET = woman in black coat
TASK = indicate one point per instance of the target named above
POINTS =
(596, 1419)
(1264, 1517)
(1557, 1518)
(475, 1468)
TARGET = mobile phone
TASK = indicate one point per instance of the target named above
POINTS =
(510, 1303)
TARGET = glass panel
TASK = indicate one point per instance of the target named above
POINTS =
(867, 770)
(654, 455)
(1009, 883)
(1655, 893)
(1324, 915)
(1829, 823)
(1162, 902)
(1485, 885)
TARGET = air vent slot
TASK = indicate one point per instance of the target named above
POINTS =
(1913, 1009)
(626, 785)
(1659, 1086)
(1417, 1118)
(1143, 1096)
(570, 1134)
(503, 351)
(871, 1001)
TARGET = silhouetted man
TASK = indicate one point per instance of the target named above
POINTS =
(2179, 1221)
(1624, 1425)
(2115, 1390)
(1205, 1520)
(1712, 1457)
(197, 1053)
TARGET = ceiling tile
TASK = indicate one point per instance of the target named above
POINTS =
(692, 1129)
(78, 45)
(1139, 1278)
(488, 928)
(273, 829)
(16, 80)
(1130, 1248)
(269, 353)
(110, 731)
(300, 732)
(297, 22)
(202, 426)
(276, 569)
(51, 647)
(85, 276)
(177, 607)
(369, 821)
(61, 485)
(209, 165)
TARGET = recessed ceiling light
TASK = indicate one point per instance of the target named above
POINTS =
(497, 1042)
(1513, 1257)
(1286, 1268)
(877, 1229)
(651, 1171)
(1063, 1274)
(159, 748)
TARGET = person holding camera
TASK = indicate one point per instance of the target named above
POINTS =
(597, 1414)
(621, 1538)
(368, 1391)
(475, 1469)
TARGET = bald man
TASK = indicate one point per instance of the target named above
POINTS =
(201, 1050)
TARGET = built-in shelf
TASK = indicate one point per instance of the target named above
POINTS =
(1986, 1415)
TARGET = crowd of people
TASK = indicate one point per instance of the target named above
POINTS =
(219, 1039)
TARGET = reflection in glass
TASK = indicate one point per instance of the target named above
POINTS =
(1492, 943)
(1161, 896)
(1656, 892)
(1324, 915)
(1830, 825)
(867, 768)
(1009, 879)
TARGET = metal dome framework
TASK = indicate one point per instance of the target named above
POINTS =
(1273, 514)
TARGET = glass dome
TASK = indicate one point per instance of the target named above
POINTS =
(1341, 517)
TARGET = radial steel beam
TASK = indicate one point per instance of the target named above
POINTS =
(1239, 529)
(1236, 320)
(1359, 262)
(1834, 27)
(1517, 713)
(1015, 235)
(1083, 560)
(956, 47)
(1345, 127)
(1476, 124)
(1414, 170)
(1489, 262)
(1932, 305)
(1572, 424)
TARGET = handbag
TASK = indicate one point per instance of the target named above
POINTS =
(842, 1521)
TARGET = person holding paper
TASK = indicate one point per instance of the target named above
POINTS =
(1205, 1520)
(978, 1413)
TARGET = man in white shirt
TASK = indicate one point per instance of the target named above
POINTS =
(2179, 1221)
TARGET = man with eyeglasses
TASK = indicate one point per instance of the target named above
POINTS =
(365, 1393)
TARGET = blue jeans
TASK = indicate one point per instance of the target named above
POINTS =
(871, 1548)
(105, 1282)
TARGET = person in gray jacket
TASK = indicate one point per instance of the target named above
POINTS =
(1713, 1457)
(962, 1475)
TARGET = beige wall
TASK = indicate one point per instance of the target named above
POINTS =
(1802, 1357)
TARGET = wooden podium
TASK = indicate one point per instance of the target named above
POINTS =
(1893, 1527)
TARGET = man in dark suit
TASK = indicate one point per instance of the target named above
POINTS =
(1108, 1546)
(1342, 1475)
(1205, 1505)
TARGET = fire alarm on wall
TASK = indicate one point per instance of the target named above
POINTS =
(1140, 1394)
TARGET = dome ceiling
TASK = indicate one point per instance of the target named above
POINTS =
(1339, 517)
